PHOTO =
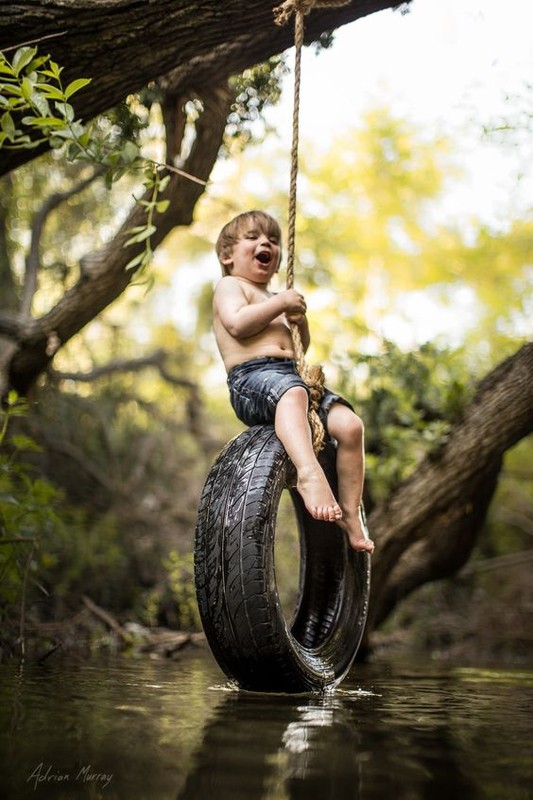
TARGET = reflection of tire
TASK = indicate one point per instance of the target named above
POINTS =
(305, 747)
(236, 583)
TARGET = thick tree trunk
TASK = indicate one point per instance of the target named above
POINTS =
(123, 45)
(426, 530)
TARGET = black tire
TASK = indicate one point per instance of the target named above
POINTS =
(236, 583)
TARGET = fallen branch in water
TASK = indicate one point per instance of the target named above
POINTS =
(106, 617)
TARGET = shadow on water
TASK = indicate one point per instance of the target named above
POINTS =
(176, 731)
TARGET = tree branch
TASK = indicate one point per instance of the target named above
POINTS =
(33, 259)
(106, 40)
(444, 545)
(413, 530)
(11, 327)
(156, 359)
(175, 122)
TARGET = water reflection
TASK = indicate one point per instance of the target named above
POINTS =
(176, 731)
(277, 748)
(332, 747)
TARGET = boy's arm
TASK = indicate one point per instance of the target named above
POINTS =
(305, 335)
(240, 317)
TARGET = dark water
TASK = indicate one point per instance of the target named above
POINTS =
(157, 730)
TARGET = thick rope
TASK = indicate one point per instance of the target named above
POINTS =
(312, 375)
(282, 15)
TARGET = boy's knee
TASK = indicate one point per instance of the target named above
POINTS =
(296, 394)
(344, 425)
(354, 427)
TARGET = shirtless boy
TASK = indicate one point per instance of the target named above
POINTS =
(254, 339)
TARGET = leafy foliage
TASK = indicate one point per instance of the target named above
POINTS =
(33, 97)
(409, 402)
(49, 550)
(181, 586)
(254, 88)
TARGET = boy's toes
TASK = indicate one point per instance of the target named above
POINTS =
(326, 513)
(364, 545)
(334, 513)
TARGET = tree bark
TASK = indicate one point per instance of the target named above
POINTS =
(123, 45)
(427, 528)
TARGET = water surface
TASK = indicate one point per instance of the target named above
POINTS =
(138, 729)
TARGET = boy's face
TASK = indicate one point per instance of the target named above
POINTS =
(255, 255)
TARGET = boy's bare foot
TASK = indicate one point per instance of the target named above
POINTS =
(354, 529)
(316, 493)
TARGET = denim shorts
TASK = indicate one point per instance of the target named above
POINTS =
(256, 386)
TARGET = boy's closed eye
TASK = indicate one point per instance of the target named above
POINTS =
(256, 234)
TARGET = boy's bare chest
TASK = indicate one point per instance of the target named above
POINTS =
(254, 295)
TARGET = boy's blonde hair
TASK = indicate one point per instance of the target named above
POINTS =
(232, 231)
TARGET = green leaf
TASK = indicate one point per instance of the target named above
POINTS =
(15, 102)
(85, 139)
(77, 129)
(28, 144)
(44, 122)
(22, 442)
(162, 206)
(37, 62)
(75, 86)
(56, 69)
(163, 183)
(7, 125)
(141, 236)
(5, 68)
(22, 58)
(13, 90)
(41, 104)
(63, 132)
(135, 262)
(51, 91)
(66, 110)
(27, 88)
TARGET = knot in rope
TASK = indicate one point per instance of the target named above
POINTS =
(283, 12)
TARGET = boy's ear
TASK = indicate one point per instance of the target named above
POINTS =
(227, 258)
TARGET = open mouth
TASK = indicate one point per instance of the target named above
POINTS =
(264, 257)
